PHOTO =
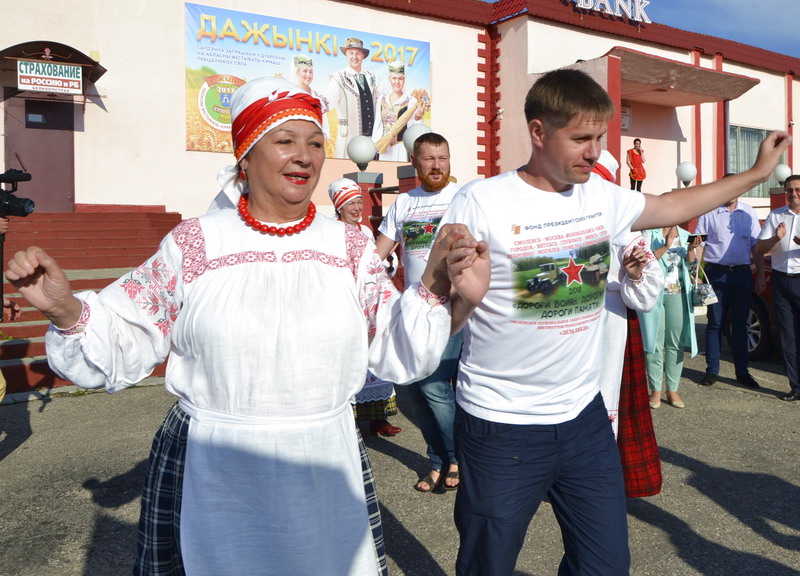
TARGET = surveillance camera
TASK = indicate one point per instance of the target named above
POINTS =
(791, 123)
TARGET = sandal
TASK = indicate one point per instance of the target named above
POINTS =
(453, 476)
(432, 485)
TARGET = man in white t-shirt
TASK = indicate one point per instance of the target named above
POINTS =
(530, 420)
(412, 221)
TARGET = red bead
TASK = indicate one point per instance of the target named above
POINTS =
(274, 230)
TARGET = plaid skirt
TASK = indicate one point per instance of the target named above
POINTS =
(636, 439)
(377, 410)
(158, 543)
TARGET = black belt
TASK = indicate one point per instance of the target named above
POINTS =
(728, 266)
(787, 275)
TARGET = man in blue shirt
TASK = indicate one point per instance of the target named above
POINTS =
(733, 231)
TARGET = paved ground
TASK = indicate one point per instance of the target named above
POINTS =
(72, 466)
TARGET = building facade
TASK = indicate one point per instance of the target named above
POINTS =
(122, 140)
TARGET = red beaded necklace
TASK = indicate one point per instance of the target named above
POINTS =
(275, 230)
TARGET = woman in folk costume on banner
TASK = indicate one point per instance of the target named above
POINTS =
(303, 67)
(376, 401)
(391, 106)
(634, 283)
(270, 317)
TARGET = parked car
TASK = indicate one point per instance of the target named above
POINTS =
(762, 329)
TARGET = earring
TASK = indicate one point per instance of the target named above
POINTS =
(242, 175)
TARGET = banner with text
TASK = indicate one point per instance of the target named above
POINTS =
(369, 84)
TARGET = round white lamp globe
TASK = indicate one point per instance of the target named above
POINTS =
(781, 173)
(361, 150)
(686, 171)
(412, 133)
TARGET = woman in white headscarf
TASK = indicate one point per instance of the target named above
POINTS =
(376, 401)
(270, 318)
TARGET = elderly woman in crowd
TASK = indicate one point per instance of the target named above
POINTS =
(634, 283)
(270, 318)
(376, 401)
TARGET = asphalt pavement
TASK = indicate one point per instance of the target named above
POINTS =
(71, 468)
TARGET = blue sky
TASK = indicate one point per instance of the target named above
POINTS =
(772, 25)
(769, 24)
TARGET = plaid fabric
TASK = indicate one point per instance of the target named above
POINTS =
(636, 439)
(372, 506)
(377, 410)
(159, 550)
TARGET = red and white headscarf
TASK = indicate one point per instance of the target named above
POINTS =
(264, 104)
(606, 166)
(257, 107)
(342, 191)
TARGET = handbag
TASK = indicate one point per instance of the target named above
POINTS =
(703, 292)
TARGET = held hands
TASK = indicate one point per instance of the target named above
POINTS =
(44, 285)
(780, 231)
(457, 260)
(634, 263)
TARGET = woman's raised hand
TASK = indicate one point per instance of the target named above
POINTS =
(44, 285)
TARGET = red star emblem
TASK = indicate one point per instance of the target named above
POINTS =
(573, 272)
(429, 228)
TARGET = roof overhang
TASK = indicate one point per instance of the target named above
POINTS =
(91, 70)
(654, 80)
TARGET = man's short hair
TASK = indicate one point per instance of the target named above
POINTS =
(561, 95)
(431, 138)
(789, 179)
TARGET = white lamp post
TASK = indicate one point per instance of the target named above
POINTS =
(686, 172)
(361, 150)
(781, 173)
(412, 133)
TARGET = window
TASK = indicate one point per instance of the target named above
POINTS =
(744, 143)
(48, 115)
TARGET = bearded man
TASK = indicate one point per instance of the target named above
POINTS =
(413, 220)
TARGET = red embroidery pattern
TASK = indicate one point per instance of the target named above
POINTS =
(356, 242)
(80, 325)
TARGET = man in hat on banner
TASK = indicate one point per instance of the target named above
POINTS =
(354, 93)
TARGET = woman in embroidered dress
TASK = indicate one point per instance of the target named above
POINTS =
(393, 105)
(304, 74)
(376, 401)
(634, 283)
(270, 318)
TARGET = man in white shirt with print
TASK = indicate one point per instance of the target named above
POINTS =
(530, 421)
(412, 221)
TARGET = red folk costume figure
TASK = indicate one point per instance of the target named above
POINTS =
(636, 160)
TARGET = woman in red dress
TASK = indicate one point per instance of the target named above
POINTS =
(636, 164)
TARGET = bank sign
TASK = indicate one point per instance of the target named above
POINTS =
(632, 9)
(49, 77)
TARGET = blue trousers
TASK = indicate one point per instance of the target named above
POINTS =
(734, 289)
(434, 405)
(507, 469)
(786, 299)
